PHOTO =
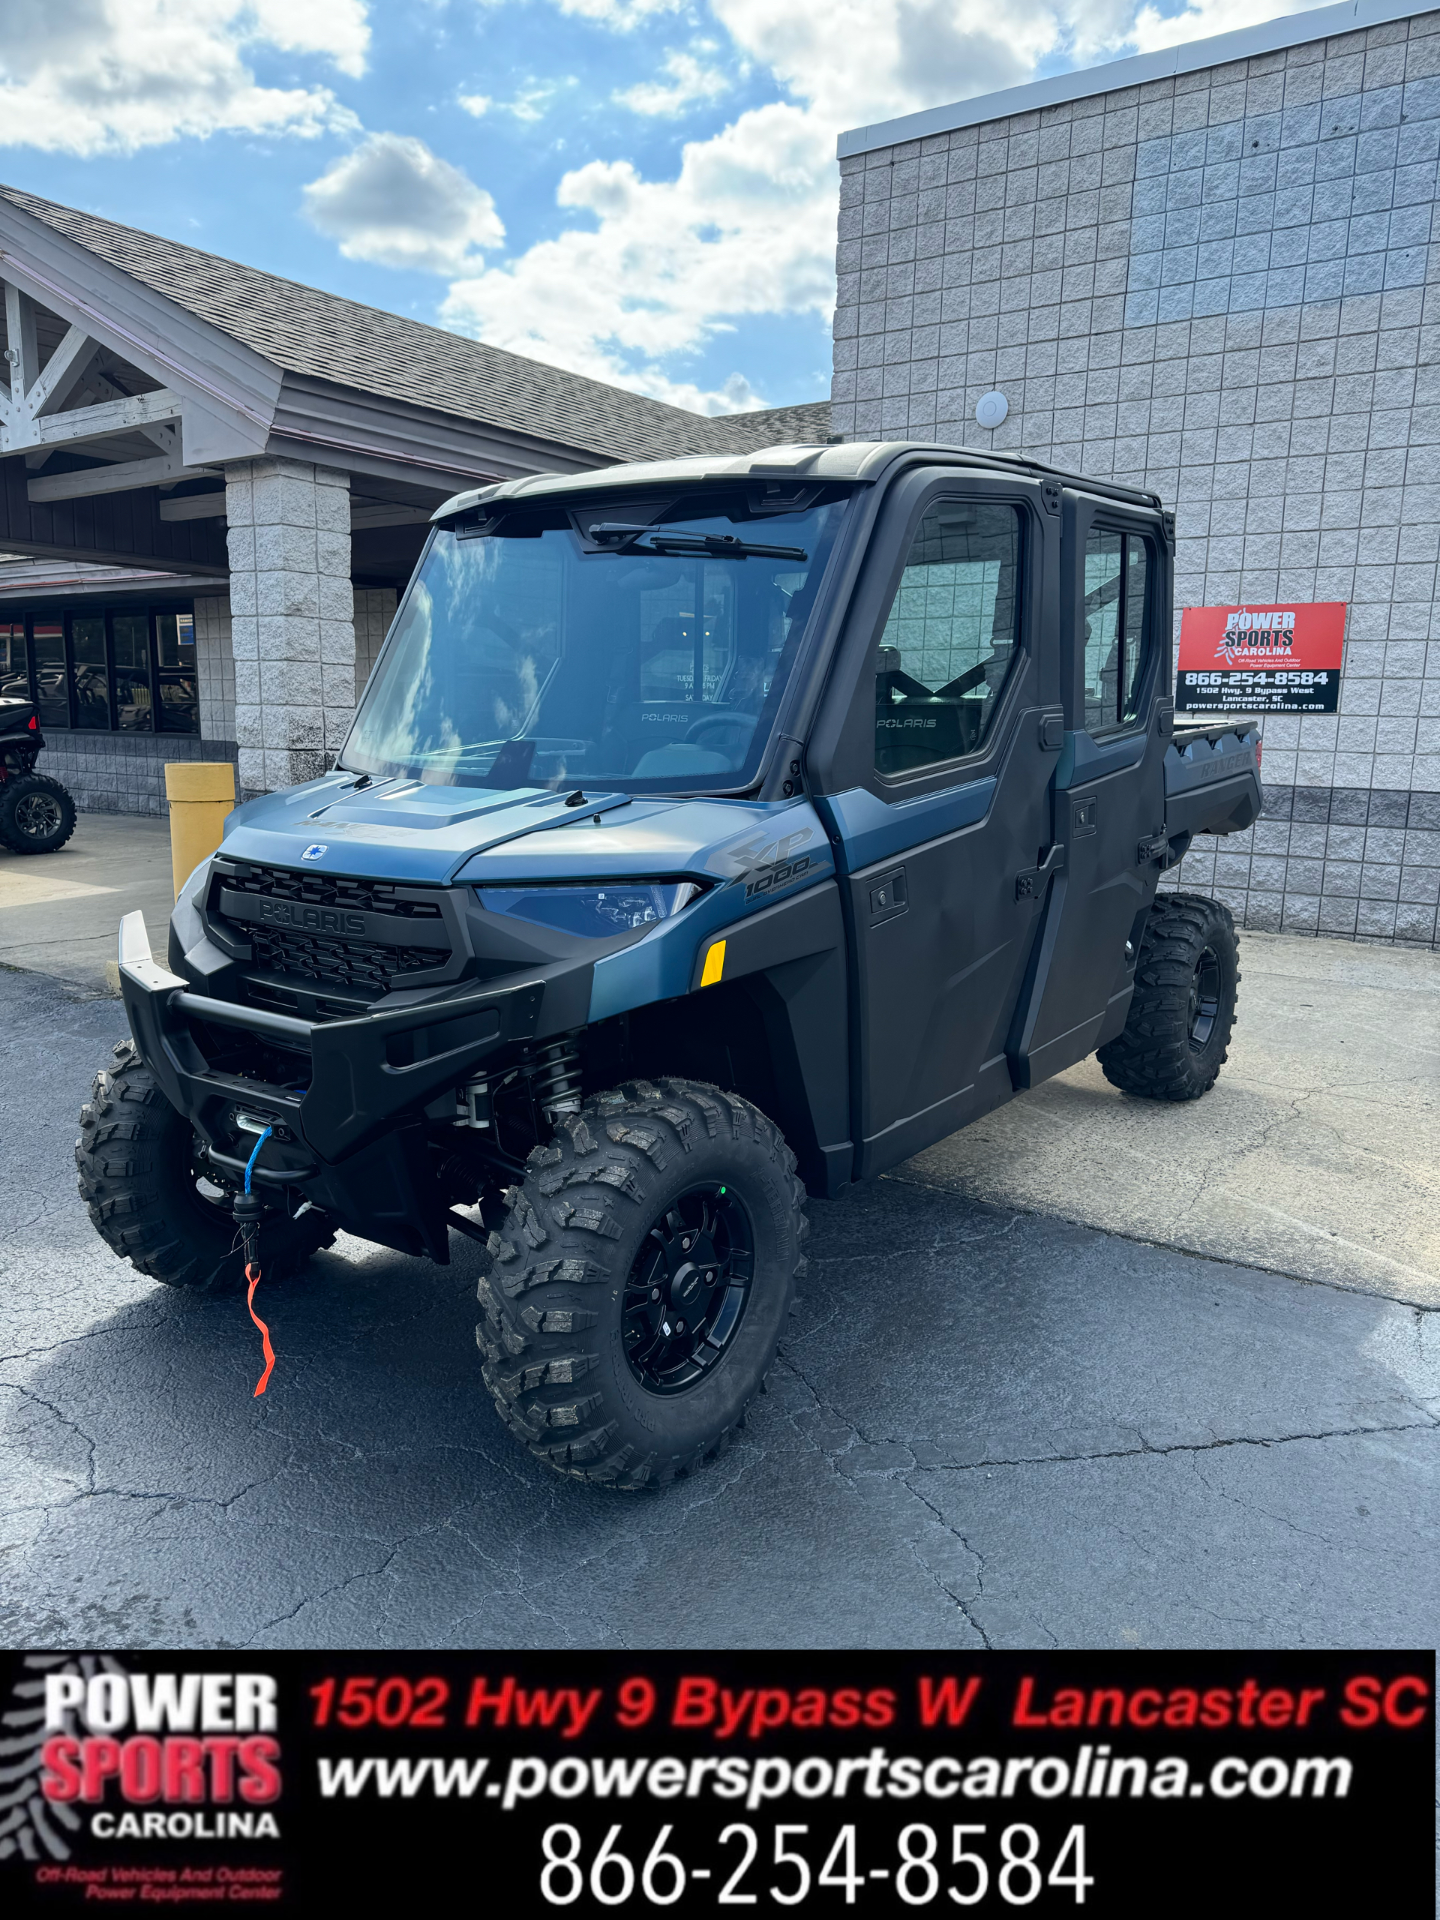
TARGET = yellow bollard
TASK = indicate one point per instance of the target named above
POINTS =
(201, 793)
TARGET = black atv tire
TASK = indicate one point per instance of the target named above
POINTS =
(585, 1370)
(134, 1157)
(37, 814)
(1177, 1035)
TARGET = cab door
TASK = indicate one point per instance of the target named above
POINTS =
(1109, 800)
(934, 758)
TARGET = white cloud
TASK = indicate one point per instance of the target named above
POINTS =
(95, 76)
(622, 15)
(690, 80)
(531, 101)
(338, 28)
(396, 203)
(1197, 22)
(746, 228)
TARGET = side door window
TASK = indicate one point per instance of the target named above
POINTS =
(1119, 569)
(951, 639)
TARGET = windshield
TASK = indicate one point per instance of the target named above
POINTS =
(648, 651)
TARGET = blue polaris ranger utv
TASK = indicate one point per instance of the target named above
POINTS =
(710, 832)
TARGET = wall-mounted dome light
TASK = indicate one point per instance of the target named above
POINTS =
(991, 409)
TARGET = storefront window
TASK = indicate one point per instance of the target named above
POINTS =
(133, 711)
(175, 652)
(47, 650)
(88, 674)
(105, 671)
(14, 662)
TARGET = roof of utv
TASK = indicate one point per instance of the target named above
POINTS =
(860, 461)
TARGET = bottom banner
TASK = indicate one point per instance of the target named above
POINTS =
(334, 1783)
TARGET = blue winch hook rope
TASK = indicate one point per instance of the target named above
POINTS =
(250, 1232)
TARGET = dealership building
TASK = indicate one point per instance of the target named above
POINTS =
(1209, 271)
(213, 484)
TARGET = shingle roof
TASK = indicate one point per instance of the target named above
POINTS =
(307, 331)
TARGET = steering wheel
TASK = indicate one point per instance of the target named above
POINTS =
(697, 727)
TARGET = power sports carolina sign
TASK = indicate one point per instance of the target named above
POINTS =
(1269, 659)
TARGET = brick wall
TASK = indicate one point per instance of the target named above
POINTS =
(123, 772)
(215, 667)
(1222, 286)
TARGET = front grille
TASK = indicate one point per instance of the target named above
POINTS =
(336, 959)
(350, 963)
(319, 890)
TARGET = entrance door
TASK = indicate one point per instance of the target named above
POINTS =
(1109, 786)
(944, 844)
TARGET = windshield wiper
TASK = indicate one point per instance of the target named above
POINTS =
(621, 537)
(724, 546)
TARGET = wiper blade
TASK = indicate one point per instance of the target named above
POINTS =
(724, 546)
(621, 536)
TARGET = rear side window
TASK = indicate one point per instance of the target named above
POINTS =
(1119, 569)
(951, 638)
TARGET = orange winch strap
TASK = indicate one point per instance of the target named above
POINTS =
(252, 1274)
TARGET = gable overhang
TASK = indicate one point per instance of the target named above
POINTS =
(398, 441)
(224, 391)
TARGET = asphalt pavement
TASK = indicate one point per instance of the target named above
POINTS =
(988, 1425)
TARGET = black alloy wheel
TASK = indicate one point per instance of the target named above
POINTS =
(687, 1289)
(1205, 995)
(37, 814)
(640, 1281)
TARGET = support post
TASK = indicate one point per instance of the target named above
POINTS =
(292, 618)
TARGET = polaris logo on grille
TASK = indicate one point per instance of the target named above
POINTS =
(289, 913)
(314, 853)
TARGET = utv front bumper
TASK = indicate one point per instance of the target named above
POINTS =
(350, 1126)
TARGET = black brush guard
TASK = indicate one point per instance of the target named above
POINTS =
(351, 1130)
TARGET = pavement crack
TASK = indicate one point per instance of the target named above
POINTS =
(1148, 1449)
(59, 1414)
(974, 1553)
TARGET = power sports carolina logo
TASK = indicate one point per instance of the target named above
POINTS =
(136, 1756)
(1264, 638)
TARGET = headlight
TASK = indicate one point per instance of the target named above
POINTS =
(593, 912)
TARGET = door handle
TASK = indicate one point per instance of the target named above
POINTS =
(1032, 881)
(889, 897)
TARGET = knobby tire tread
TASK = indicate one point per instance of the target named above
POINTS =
(127, 1128)
(580, 1196)
(1152, 1057)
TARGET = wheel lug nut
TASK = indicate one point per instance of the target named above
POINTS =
(654, 1293)
(679, 1326)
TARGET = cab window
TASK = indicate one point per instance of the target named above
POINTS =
(1119, 568)
(951, 638)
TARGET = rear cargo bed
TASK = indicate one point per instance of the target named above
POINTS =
(1212, 777)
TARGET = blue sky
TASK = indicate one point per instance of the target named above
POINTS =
(643, 190)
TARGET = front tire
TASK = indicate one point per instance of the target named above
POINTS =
(140, 1181)
(37, 814)
(641, 1282)
(1177, 1034)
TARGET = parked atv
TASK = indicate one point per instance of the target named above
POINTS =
(710, 832)
(37, 814)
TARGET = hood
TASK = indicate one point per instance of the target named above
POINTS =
(404, 831)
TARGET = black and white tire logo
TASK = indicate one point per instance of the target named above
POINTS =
(29, 1823)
